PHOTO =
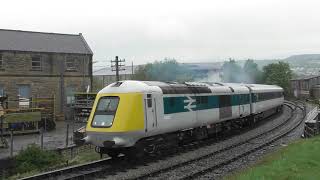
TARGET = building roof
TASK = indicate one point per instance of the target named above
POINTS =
(107, 71)
(29, 41)
(204, 66)
(306, 78)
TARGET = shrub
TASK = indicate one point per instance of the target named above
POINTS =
(34, 158)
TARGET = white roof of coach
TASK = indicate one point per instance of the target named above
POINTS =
(237, 87)
(264, 88)
(132, 86)
(129, 86)
(230, 88)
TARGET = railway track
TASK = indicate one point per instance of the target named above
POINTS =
(199, 166)
(106, 167)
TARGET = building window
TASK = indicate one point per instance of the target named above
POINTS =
(1, 91)
(24, 96)
(1, 61)
(70, 95)
(70, 64)
(24, 91)
(36, 63)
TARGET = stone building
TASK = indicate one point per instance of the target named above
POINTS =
(302, 87)
(37, 64)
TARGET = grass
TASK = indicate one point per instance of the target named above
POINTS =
(299, 160)
(29, 164)
(84, 157)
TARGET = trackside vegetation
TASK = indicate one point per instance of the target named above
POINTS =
(34, 160)
(299, 160)
(278, 73)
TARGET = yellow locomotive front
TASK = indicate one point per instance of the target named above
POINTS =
(116, 120)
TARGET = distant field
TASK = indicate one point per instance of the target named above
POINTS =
(299, 160)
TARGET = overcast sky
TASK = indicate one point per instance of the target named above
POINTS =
(190, 31)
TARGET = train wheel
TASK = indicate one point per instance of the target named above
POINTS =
(113, 154)
(135, 152)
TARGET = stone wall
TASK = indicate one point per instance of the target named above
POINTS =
(20, 63)
(17, 70)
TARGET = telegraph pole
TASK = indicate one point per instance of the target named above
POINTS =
(118, 65)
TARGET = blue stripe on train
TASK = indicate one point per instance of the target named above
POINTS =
(194, 103)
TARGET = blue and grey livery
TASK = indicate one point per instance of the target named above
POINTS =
(151, 111)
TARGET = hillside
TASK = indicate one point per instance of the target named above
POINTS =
(302, 65)
(303, 57)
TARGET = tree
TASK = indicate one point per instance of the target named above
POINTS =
(166, 70)
(252, 73)
(278, 74)
(232, 72)
(140, 73)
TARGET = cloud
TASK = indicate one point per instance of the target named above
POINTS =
(143, 30)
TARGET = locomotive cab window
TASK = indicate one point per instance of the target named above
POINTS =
(105, 111)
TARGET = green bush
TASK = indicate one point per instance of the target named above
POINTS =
(34, 158)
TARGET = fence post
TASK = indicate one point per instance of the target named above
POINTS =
(41, 138)
(72, 132)
(45, 124)
(72, 152)
(67, 135)
(11, 143)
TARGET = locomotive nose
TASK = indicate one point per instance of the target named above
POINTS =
(108, 144)
(82, 141)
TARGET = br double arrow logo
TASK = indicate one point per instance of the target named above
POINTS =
(189, 102)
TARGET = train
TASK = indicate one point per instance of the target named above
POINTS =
(138, 117)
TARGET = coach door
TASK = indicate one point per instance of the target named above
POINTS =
(150, 113)
(242, 101)
(225, 107)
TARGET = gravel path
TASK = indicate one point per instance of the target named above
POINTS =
(52, 139)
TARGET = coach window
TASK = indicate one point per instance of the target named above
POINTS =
(242, 99)
(198, 100)
(202, 99)
(149, 100)
(224, 101)
(255, 98)
(171, 101)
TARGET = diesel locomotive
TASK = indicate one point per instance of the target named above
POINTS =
(136, 117)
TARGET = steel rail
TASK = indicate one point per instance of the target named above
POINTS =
(68, 171)
(92, 168)
(245, 153)
(291, 105)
